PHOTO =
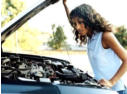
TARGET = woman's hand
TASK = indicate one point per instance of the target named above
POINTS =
(64, 1)
(106, 83)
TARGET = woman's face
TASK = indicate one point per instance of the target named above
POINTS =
(78, 24)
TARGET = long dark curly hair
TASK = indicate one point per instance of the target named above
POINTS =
(91, 18)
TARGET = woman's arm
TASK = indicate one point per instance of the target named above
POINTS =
(67, 10)
(111, 42)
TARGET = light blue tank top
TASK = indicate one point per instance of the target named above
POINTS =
(105, 63)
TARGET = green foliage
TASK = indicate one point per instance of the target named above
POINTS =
(57, 41)
(10, 9)
(25, 38)
(121, 35)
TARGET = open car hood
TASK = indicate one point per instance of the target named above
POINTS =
(32, 74)
(18, 21)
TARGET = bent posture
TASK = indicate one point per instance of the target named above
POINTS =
(107, 57)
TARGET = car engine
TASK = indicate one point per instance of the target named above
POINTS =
(36, 68)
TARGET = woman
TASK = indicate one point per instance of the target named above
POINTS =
(107, 57)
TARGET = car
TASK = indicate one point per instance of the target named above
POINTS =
(36, 74)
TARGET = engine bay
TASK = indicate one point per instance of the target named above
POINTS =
(37, 68)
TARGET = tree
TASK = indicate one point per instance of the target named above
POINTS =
(25, 38)
(121, 35)
(57, 41)
(10, 9)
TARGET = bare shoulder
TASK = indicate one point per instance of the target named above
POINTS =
(111, 41)
(108, 39)
(108, 35)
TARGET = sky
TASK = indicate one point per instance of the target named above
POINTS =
(113, 11)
